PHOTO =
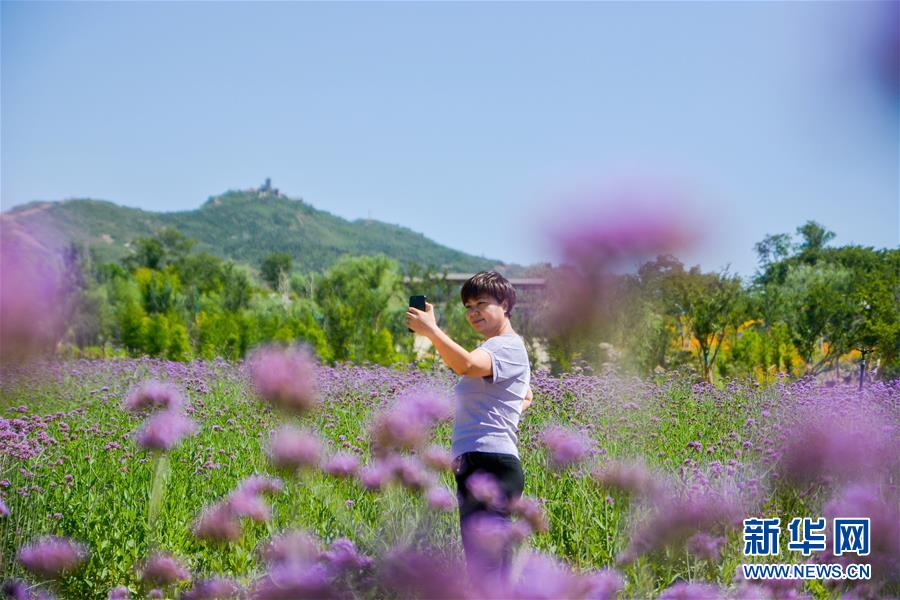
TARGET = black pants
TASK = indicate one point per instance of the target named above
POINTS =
(507, 469)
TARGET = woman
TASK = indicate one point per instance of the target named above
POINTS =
(492, 393)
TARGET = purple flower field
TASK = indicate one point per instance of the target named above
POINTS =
(148, 478)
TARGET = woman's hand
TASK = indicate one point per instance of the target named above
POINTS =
(422, 321)
(529, 396)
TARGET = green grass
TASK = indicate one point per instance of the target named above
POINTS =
(107, 501)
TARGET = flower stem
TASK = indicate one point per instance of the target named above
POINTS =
(160, 477)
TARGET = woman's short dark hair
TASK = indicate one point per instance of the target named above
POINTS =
(493, 284)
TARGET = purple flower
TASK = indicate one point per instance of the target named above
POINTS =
(154, 395)
(605, 584)
(218, 588)
(243, 503)
(437, 458)
(163, 569)
(532, 511)
(705, 546)
(548, 579)
(676, 518)
(375, 476)
(285, 377)
(411, 472)
(247, 501)
(816, 449)
(218, 523)
(485, 488)
(164, 430)
(260, 484)
(395, 430)
(881, 507)
(291, 547)
(566, 446)
(155, 594)
(406, 424)
(440, 498)
(637, 226)
(292, 449)
(51, 557)
(15, 589)
(342, 555)
(632, 478)
(294, 581)
(594, 244)
(684, 590)
(421, 574)
(342, 464)
(119, 593)
(488, 535)
(4, 512)
(31, 297)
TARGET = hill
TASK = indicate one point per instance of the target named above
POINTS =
(245, 226)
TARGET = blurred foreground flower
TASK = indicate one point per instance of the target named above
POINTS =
(119, 593)
(485, 488)
(286, 378)
(52, 557)
(292, 449)
(440, 498)
(15, 589)
(343, 555)
(630, 477)
(815, 450)
(437, 458)
(294, 581)
(406, 424)
(684, 590)
(164, 430)
(882, 507)
(615, 232)
(341, 464)
(413, 573)
(154, 395)
(218, 523)
(163, 569)
(218, 588)
(705, 546)
(32, 299)
(677, 517)
(567, 446)
(545, 578)
(291, 546)
(532, 511)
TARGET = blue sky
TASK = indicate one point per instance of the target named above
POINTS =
(464, 121)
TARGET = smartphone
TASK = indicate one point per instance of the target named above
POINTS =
(417, 302)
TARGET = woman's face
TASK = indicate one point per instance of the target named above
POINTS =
(485, 315)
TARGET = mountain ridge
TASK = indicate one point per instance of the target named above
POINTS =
(242, 225)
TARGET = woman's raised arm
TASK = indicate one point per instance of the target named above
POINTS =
(472, 364)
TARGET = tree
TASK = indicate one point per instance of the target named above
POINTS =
(360, 296)
(275, 269)
(237, 289)
(814, 239)
(707, 304)
(819, 309)
(167, 246)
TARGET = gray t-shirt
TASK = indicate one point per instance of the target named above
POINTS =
(488, 408)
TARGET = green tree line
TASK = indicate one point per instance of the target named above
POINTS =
(808, 309)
